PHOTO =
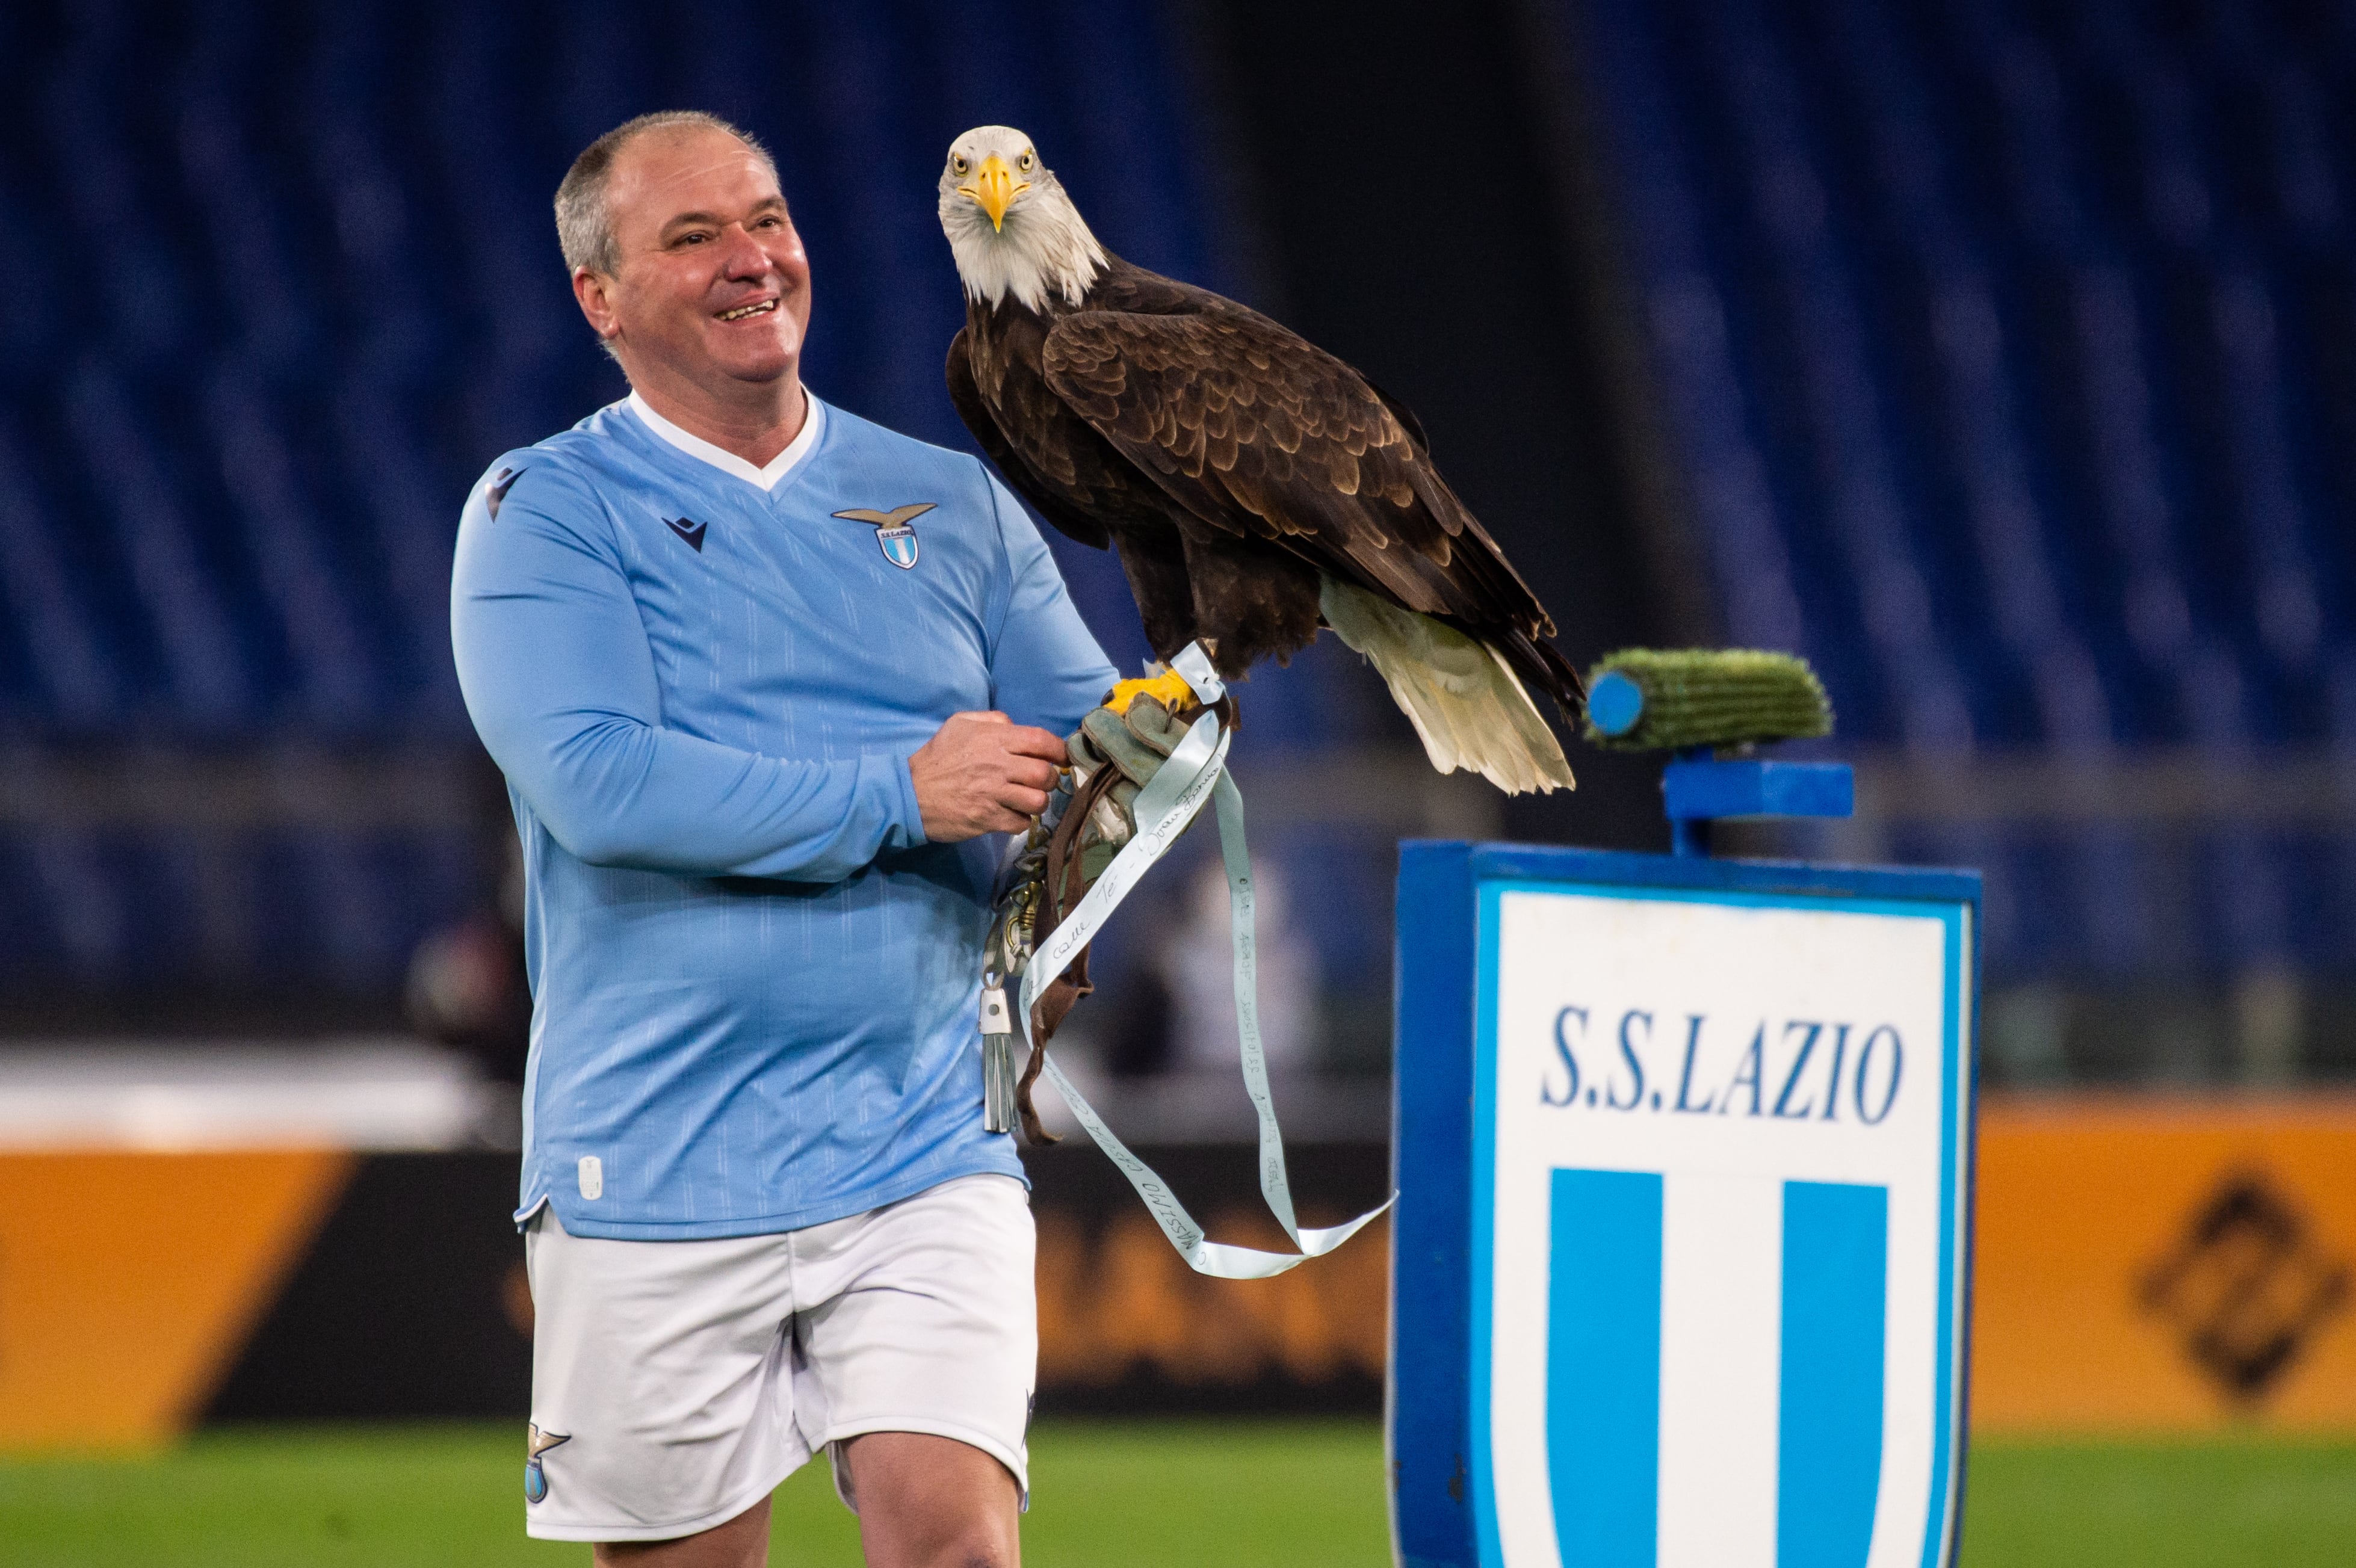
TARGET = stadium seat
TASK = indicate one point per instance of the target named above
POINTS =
(2005, 350)
(322, 292)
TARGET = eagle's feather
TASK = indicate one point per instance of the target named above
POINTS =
(1250, 482)
(1467, 707)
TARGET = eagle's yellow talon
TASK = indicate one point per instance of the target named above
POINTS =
(1169, 688)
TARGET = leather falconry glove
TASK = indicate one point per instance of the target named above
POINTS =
(1135, 744)
(1114, 755)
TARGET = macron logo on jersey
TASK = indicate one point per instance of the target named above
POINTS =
(688, 529)
(502, 483)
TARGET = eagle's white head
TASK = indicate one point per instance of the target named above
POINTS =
(1010, 227)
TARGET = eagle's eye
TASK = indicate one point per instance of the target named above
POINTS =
(1024, 162)
(958, 164)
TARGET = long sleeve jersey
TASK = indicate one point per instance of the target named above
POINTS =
(754, 983)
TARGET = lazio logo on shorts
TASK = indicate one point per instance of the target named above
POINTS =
(535, 1474)
(891, 531)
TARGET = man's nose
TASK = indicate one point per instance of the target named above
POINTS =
(743, 255)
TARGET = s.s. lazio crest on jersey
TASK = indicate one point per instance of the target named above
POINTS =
(892, 531)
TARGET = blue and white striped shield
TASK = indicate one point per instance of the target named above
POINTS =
(1708, 1310)
(1721, 1136)
(899, 545)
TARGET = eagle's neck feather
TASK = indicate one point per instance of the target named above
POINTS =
(1044, 250)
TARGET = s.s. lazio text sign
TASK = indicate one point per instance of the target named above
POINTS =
(1680, 1270)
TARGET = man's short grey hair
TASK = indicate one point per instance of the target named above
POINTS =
(585, 225)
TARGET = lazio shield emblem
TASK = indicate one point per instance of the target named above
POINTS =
(892, 532)
(535, 1472)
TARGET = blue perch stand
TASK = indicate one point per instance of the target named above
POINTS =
(1674, 1220)
(1697, 788)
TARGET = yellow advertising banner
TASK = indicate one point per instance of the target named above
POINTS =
(2143, 1264)
(2166, 1264)
(128, 1281)
(1120, 1301)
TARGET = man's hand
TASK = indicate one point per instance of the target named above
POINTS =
(982, 773)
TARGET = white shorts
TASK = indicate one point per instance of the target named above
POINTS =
(675, 1383)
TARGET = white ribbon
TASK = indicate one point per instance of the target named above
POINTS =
(1195, 773)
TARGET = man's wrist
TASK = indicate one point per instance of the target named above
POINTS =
(911, 813)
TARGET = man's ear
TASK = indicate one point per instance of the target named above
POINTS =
(594, 290)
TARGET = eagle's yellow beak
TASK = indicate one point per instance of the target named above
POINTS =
(994, 188)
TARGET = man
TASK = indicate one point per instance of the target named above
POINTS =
(764, 678)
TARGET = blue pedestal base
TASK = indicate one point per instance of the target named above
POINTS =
(1699, 788)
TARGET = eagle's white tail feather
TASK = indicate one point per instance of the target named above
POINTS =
(1470, 708)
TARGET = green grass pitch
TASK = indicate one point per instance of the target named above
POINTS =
(1141, 1495)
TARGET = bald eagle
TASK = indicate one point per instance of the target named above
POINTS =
(1253, 486)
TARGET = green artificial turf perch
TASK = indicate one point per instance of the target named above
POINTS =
(1656, 700)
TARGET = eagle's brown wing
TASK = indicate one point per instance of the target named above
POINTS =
(1054, 502)
(1258, 432)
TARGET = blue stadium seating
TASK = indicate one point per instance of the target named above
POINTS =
(282, 280)
(2009, 354)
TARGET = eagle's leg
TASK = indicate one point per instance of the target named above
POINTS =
(1252, 601)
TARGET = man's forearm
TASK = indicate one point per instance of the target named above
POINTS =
(623, 793)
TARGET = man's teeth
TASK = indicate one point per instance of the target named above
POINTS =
(758, 307)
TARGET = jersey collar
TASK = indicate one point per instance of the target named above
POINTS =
(695, 446)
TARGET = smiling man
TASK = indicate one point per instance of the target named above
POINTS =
(765, 678)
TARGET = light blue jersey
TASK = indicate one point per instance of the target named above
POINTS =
(755, 983)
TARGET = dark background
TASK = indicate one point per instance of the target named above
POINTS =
(1997, 357)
